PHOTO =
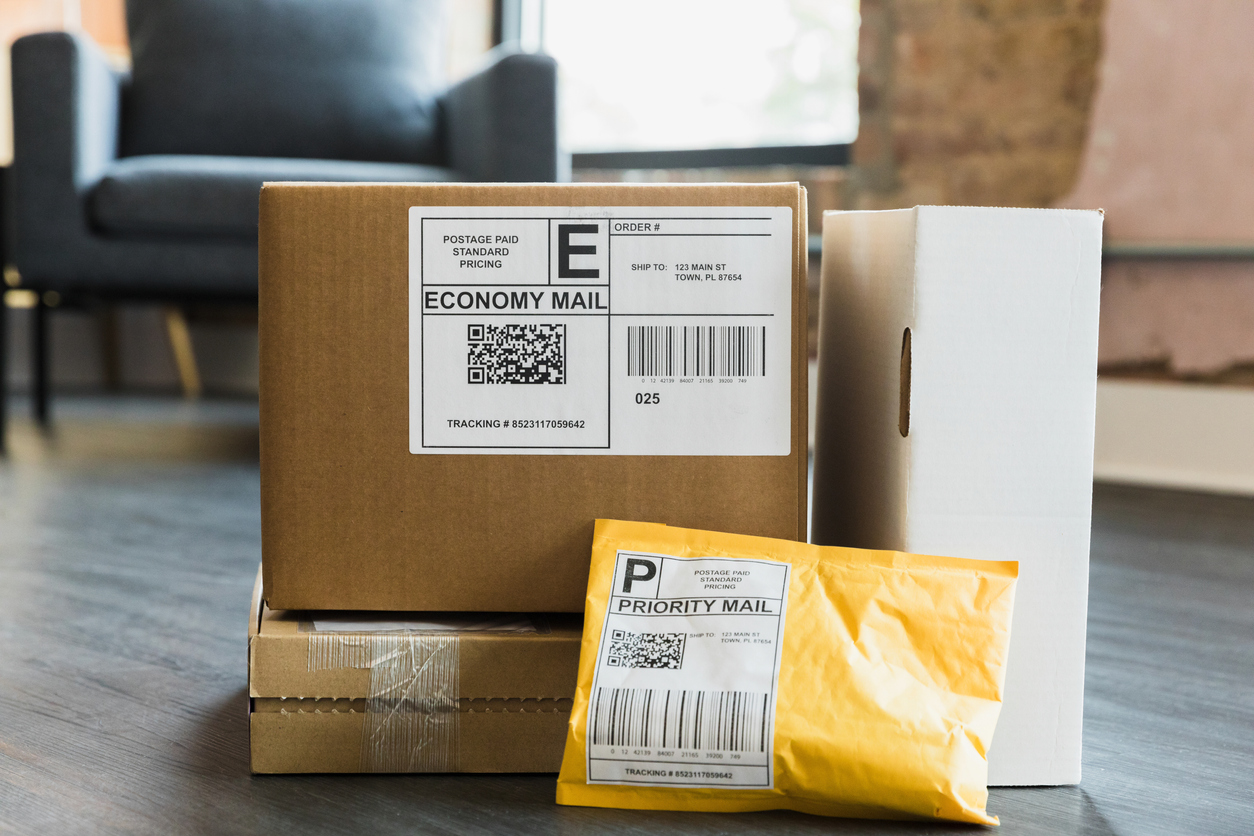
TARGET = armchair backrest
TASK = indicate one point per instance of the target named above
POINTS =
(329, 79)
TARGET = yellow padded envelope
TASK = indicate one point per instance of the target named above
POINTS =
(723, 672)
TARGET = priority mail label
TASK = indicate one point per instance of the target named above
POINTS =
(687, 671)
(600, 330)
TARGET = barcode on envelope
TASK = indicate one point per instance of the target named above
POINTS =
(725, 721)
(696, 350)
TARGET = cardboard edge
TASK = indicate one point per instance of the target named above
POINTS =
(254, 622)
(254, 633)
(254, 629)
(801, 365)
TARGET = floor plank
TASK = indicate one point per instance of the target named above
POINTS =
(124, 585)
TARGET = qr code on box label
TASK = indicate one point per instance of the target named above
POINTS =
(516, 353)
(645, 650)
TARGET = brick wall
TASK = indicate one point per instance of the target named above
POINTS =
(977, 102)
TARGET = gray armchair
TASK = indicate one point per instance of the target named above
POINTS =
(146, 184)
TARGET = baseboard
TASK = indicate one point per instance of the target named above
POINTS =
(1175, 435)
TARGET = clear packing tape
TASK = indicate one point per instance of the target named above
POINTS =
(411, 721)
(885, 696)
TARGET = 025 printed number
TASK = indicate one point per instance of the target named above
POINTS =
(648, 397)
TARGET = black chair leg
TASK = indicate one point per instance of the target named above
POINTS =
(39, 363)
(4, 376)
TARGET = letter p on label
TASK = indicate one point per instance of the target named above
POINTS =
(638, 569)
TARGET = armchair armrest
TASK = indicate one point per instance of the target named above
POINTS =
(501, 123)
(65, 132)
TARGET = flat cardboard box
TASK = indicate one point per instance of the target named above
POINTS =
(363, 509)
(957, 386)
(514, 692)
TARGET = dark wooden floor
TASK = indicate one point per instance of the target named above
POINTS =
(124, 583)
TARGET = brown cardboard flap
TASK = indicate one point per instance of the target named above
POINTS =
(352, 520)
(303, 742)
(491, 665)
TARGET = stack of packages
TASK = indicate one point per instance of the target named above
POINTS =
(458, 381)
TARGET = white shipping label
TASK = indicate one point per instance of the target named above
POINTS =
(595, 330)
(683, 693)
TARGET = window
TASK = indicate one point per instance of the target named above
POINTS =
(693, 75)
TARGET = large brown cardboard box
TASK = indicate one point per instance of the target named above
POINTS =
(364, 693)
(458, 379)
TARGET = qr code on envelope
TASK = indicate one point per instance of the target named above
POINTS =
(645, 650)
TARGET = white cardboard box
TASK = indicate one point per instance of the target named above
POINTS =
(994, 390)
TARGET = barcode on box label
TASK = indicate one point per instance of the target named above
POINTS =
(696, 350)
(720, 721)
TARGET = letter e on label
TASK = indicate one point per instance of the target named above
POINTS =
(584, 245)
